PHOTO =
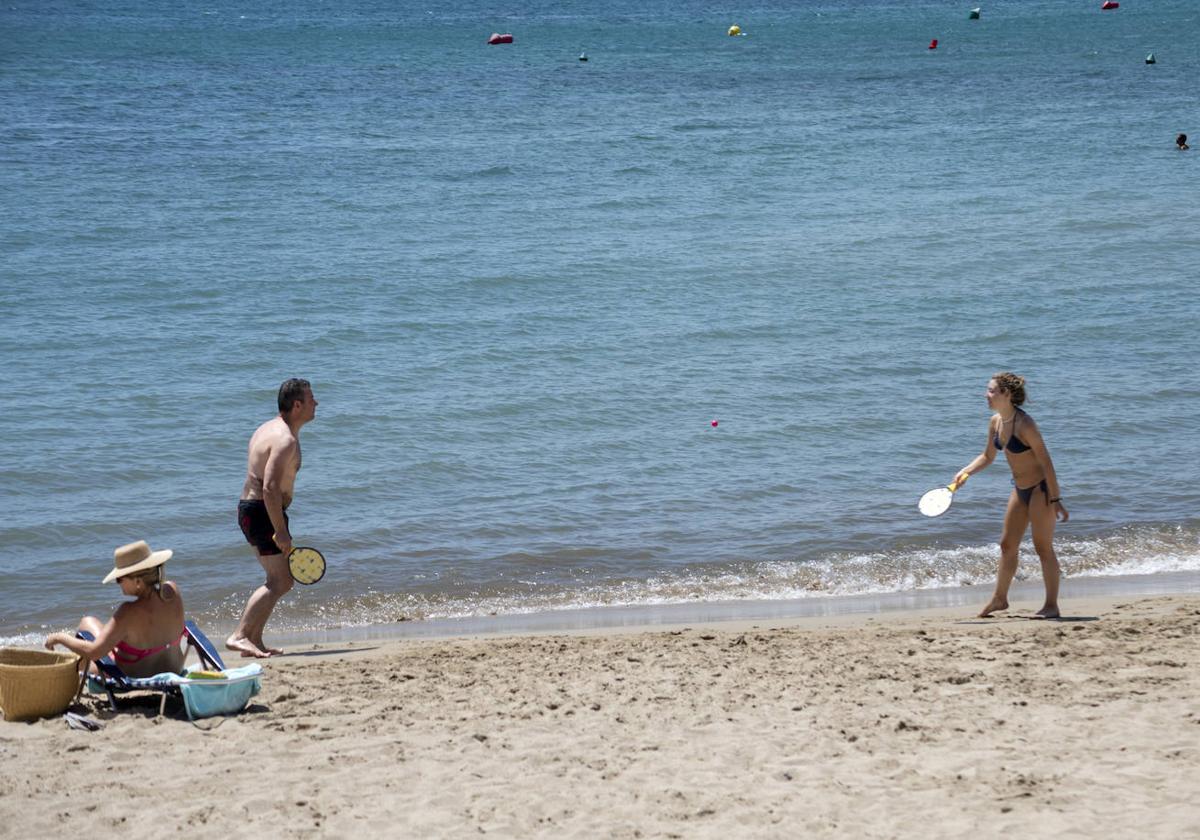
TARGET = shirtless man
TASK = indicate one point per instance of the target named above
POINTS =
(273, 462)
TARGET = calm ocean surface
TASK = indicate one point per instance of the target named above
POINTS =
(523, 286)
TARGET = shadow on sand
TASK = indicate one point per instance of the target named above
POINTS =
(325, 652)
(996, 619)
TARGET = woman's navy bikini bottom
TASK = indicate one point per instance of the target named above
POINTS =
(1026, 493)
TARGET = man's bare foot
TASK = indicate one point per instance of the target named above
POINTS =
(994, 606)
(1047, 612)
(245, 647)
(269, 651)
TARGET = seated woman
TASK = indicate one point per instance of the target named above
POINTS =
(144, 634)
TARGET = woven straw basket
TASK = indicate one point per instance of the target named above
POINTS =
(36, 683)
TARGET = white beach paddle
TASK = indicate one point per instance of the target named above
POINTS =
(937, 501)
(307, 565)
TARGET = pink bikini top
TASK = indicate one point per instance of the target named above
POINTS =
(128, 654)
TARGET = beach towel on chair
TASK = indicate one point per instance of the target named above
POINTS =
(215, 693)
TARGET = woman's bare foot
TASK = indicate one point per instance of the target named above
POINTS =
(245, 647)
(1047, 612)
(995, 606)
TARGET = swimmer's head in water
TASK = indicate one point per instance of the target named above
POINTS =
(1181, 140)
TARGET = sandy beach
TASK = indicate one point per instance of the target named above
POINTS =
(922, 723)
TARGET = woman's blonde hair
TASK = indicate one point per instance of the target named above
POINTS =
(1011, 384)
(154, 579)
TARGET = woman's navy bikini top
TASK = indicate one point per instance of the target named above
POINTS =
(1014, 446)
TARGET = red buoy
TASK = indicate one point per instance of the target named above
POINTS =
(933, 44)
(497, 38)
(1110, 4)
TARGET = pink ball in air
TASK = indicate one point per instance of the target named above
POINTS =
(714, 424)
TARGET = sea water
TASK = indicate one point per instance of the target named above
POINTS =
(524, 286)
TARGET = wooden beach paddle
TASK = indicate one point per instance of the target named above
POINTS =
(306, 564)
(938, 500)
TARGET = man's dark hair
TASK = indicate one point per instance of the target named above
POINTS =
(292, 392)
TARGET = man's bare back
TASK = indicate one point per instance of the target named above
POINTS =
(272, 438)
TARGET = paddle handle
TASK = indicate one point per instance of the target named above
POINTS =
(959, 481)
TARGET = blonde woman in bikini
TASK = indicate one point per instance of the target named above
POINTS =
(143, 635)
(1036, 499)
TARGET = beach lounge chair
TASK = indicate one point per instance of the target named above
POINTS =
(208, 690)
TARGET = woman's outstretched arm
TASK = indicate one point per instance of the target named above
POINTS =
(105, 641)
(983, 460)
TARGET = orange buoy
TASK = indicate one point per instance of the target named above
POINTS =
(497, 38)
(933, 44)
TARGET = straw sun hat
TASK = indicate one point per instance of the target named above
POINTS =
(136, 557)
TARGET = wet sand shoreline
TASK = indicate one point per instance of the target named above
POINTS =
(967, 600)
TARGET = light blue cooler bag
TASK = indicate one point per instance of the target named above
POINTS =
(225, 696)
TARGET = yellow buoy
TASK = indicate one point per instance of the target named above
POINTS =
(735, 30)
